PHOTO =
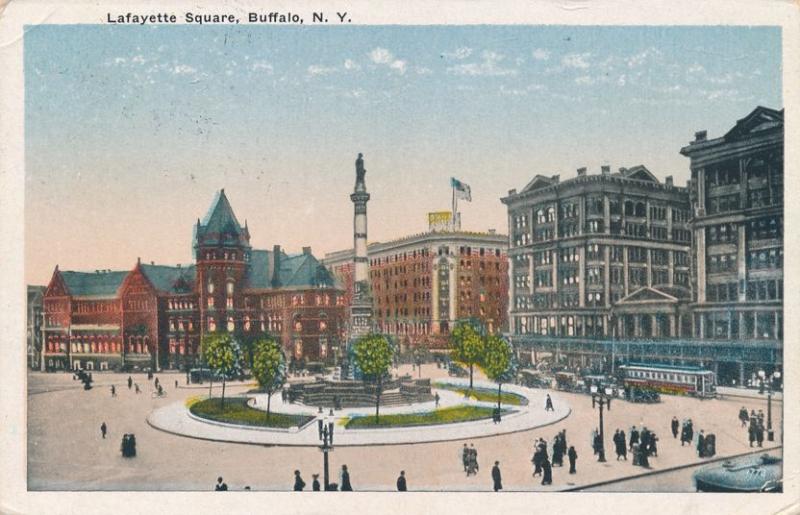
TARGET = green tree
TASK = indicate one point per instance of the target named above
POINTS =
(223, 355)
(499, 363)
(466, 347)
(269, 367)
(373, 356)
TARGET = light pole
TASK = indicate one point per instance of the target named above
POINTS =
(770, 381)
(601, 398)
(325, 430)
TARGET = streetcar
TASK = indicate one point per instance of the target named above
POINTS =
(669, 379)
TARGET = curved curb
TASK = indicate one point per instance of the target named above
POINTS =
(426, 434)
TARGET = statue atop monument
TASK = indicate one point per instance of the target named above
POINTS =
(360, 172)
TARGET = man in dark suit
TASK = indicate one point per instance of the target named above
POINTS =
(345, 480)
(299, 484)
(401, 482)
(496, 478)
(675, 425)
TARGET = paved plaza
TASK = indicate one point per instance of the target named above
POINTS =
(66, 451)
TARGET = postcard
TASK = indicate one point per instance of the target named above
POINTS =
(458, 257)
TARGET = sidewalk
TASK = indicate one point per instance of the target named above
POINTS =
(748, 393)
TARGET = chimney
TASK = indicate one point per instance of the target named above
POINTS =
(581, 171)
(152, 263)
(178, 265)
(307, 251)
(605, 170)
(492, 231)
(556, 179)
(700, 136)
(669, 181)
(622, 170)
(512, 192)
(276, 266)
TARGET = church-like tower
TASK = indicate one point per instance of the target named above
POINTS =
(222, 253)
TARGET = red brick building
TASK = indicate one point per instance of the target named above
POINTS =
(156, 315)
(423, 284)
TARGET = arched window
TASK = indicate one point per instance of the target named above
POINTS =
(212, 324)
(210, 287)
(231, 325)
(246, 323)
(229, 288)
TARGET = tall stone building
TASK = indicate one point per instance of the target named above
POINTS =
(599, 255)
(618, 266)
(737, 200)
(156, 316)
(423, 284)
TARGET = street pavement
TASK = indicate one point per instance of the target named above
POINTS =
(66, 451)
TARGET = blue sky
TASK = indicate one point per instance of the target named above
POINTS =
(130, 130)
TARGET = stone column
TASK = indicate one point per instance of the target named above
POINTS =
(625, 279)
(607, 275)
(741, 373)
(673, 332)
(741, 262)
(582, 276)
(700, 238)
(637, 326)
(649, 267)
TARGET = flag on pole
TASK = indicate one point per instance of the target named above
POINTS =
(461, 189)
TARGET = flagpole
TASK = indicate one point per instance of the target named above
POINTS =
(455, 206)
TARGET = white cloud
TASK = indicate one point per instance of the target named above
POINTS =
(459, 53)
(421, 70)
(488, 67)
(518, 92)
(642, 57)
(138, 59)
(120, 60)
(588, 80)
(399, 66)
(621, 80)
(541, 54)
(381, 56)
(183, 69)
(349, 64)
(576, 60)
(261, 65)
(316, 69)
(696, 68)
(356, 93)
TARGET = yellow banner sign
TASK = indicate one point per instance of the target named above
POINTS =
(440, 217)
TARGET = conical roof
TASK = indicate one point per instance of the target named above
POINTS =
(220, 225)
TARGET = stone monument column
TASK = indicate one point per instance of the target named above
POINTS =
(361, 307)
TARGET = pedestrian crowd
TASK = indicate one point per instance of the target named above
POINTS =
(469, 457)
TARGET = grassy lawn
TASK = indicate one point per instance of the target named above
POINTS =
(238, 412)
(441, 416)
(485, 394)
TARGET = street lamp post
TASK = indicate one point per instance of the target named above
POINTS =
(325, 430)
(601, 399)
(769, 381)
